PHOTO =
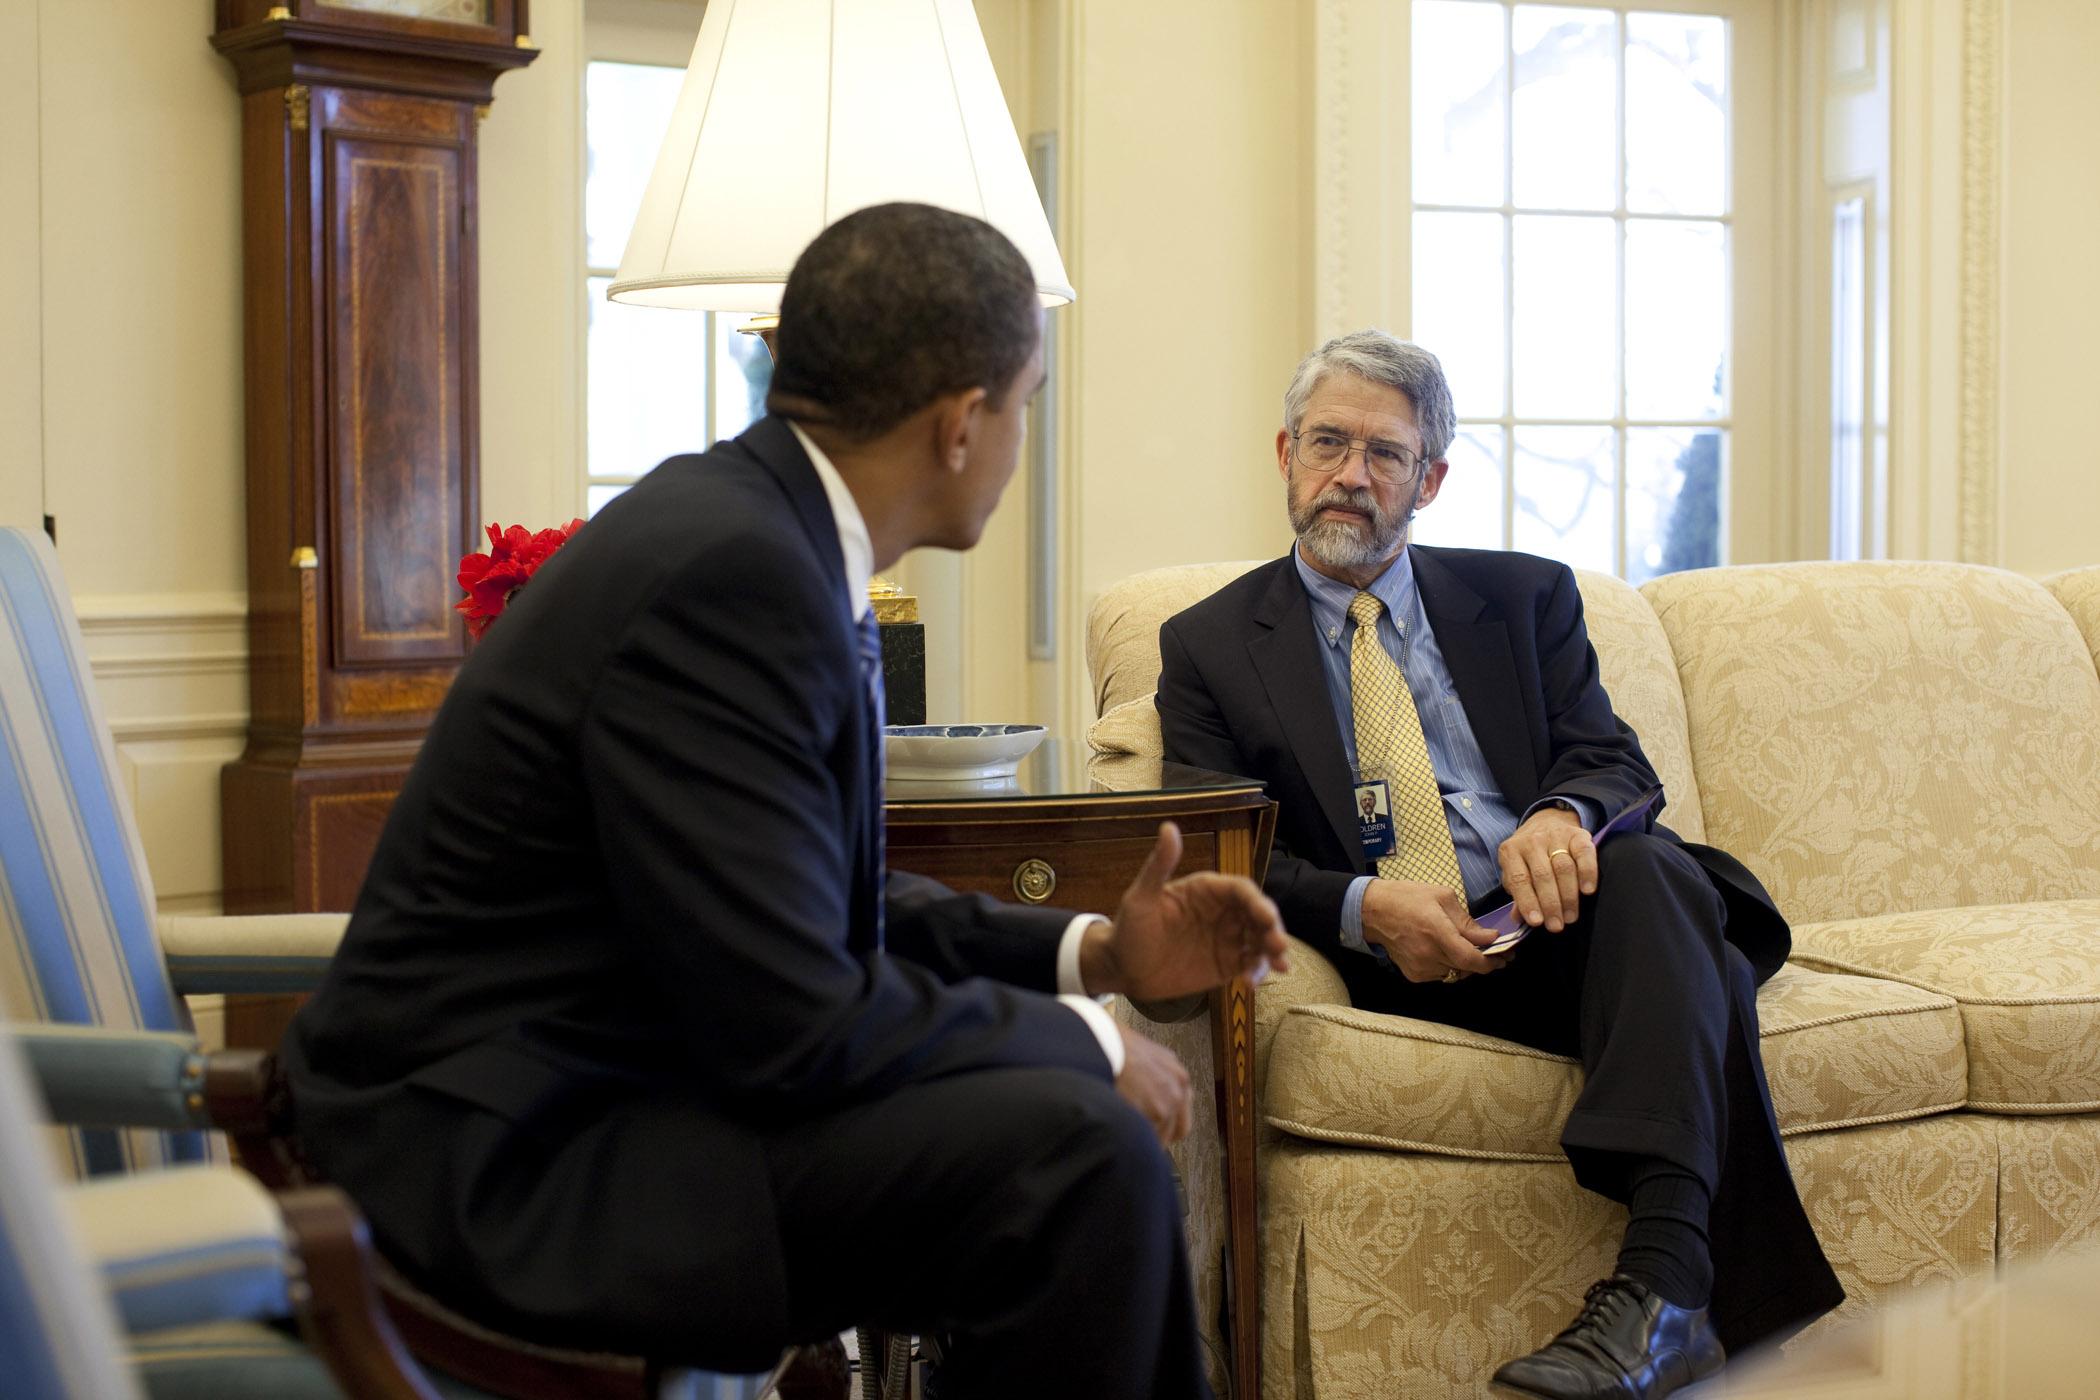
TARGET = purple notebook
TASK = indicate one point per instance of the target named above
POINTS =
(1509, 925)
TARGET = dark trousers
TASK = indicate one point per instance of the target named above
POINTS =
(1661, 1009)
(1030, 1213)
(1027, 1214)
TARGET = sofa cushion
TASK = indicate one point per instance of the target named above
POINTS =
(1640, 674)
(1875, 738)
(1122, 628)
(1838, 1050)
(2027, 979)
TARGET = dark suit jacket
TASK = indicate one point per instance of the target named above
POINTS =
(635, 859)
(1242, 690)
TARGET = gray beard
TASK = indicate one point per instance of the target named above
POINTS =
(1345, 544)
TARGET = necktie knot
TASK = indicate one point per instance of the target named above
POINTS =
(1364, 609)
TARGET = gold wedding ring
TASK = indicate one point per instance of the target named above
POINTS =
(1452, 975)
(1562, 851)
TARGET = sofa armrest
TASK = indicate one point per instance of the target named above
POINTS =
(249, 952)
(1312, 981)
(92, 1077)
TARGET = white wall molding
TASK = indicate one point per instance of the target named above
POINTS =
(171, 674)
(1982, 200)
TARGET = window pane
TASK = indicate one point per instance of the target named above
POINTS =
(627, 109)
(648, 384)
(1468, 510)
(1566, 495)
(1566, 106)
(1458, 296)
(1459, 53)
(1566, 317)
(1676, 114)
(745, 370)
(597, 498)
(1676, 319)
(1673, 500)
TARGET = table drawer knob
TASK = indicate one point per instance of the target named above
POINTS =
(1034, 881)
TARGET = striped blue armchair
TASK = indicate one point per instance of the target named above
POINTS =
(195, 1271)
(80, 941)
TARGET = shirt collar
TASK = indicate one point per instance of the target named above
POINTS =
(854, 545)
(1331, 597)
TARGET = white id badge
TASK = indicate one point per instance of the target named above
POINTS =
(1374, 818)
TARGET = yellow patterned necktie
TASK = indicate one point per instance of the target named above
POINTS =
(1389, 745)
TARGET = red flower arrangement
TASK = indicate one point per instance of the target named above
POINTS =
(515, 555)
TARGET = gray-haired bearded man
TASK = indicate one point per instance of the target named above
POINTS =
(1462, 684)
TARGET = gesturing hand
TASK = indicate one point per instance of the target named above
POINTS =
(1548, 863)
(1426, 931)
(1174, 937)
(1156, 1084)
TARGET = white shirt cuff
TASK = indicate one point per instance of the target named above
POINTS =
(1069, 983)
(1097, 1020)
(1071, 990)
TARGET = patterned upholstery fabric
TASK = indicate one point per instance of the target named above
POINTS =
(2027, 977)
(76, 925)
(1882, 738)
(1640, 674)
(2079, 592)
(2048, 1185)
(1122, 628)
(1839, 1051)
(1901, 1205)
(1394, 1274)
(57, 1330)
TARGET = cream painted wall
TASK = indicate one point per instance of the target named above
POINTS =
(141, 284)
(2051, 230)
(1188, 128)
(21, 292)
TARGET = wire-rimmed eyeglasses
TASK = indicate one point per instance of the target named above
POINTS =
(1319, 450)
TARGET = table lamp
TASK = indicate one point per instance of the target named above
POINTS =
(795, 113)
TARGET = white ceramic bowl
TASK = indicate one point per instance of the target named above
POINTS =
(946, 752)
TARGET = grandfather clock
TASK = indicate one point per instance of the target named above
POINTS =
(358, 123)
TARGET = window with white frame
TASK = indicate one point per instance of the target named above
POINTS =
(659, 381)
(1573, 266)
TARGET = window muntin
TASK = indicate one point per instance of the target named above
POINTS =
(1573, 267)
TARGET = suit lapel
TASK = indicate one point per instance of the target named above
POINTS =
(1285, 655)
(1475, 645)
(773, 443)
(777, 449)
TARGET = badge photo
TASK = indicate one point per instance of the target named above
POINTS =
(1374, 817)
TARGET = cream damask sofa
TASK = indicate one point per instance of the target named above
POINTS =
(1909, 756)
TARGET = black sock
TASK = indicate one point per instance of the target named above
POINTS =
(1666, 1243)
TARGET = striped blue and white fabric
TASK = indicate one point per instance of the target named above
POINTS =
(77, 939)
(58, 1333)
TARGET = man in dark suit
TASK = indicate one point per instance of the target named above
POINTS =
(632, 1044)
(1460, 686)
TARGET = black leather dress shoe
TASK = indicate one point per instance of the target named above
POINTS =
(1626, 1344)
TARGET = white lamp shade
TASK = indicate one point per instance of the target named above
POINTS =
(795, 113)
